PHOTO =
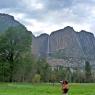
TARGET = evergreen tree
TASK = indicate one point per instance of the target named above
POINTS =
(14, 43)
(88, 75)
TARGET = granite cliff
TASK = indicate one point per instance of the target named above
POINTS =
(7, 21)
(40, 45)
(67, 45)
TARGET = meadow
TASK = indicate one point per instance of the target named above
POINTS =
(45, 89)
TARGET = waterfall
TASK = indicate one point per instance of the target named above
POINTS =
(48, 46)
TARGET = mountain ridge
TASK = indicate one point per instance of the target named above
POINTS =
(7, 21)
(65, 44)
(66, 33)
(58, 30)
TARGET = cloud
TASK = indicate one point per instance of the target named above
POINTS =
(32, 4)
(9, 3)
(45, 16)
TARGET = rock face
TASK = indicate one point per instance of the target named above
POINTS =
(65, 41)
(7, 21)
(65, 44)
(40, 45)
(87, 42)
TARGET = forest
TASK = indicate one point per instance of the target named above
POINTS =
(17, 64)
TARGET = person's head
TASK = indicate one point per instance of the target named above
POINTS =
(65, 82)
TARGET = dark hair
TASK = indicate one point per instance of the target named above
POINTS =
(64, 81)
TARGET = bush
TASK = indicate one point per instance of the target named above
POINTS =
(36, 78)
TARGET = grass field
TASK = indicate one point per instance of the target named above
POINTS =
(44, 89)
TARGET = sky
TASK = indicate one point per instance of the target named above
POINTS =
(46, 16)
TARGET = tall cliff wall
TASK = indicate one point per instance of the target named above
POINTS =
(65, 43)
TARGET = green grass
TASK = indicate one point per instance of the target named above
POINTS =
(45, 89)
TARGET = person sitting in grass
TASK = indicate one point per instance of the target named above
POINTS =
(65, 87)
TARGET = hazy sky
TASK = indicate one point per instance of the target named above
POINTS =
(45, 16)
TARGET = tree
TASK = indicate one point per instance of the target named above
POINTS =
(4, 71)
(14, 43)
(88, 75)
(36, 78)
(43, 69)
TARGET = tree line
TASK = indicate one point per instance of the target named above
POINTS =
(17, 64)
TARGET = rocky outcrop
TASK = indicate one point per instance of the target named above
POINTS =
(65, 43)
(87, 43)
(66, 47)
(40, 45)
(7, 21)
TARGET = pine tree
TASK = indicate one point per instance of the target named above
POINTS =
(88, 75)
